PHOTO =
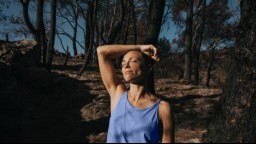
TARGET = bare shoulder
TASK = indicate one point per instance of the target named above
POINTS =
(164, 105)
(165, 108)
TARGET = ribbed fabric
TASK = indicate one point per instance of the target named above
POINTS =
(129, 124)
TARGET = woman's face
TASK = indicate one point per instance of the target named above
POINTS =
(133, 67)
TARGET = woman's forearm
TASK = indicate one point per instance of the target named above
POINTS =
(113, 51)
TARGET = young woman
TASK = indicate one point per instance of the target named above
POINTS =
(137, 115)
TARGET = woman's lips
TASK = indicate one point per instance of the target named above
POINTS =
(127, 72)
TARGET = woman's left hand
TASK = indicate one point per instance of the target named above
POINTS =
(150, 50)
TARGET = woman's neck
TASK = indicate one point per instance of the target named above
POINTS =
(137, 91)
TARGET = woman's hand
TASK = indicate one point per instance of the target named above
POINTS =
(150, 50)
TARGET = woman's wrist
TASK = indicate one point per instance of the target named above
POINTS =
(138, 47)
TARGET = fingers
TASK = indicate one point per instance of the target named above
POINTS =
(151, 51)
(156, 58)
(155, 55)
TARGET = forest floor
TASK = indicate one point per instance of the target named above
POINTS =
(65, 107)
(81, 110)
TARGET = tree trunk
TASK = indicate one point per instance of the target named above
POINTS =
(66, 51)
(235, 119)
(126, 22)
(134, 22)
(115, 30)
(75, 28)
(188, 42)
(34, 31)
(6, 37)
(209, 68)
(39, 32)
(92, 9)
(51, 40)
(198, 44)
(67, 56)
(41, 28)
(154, 22)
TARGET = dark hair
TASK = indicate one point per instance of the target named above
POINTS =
(147, 60)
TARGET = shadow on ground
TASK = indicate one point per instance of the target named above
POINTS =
(49, 112)
(62, 107)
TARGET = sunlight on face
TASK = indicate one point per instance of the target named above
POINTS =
(133, 66)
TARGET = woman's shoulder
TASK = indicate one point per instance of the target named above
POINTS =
(164, 111)
(164, 104)
(165, 108)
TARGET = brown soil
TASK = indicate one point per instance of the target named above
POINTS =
(60, 106)
(81, 107)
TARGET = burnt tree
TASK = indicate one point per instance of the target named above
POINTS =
(154, 22)
(235, 119)
(198, 43)
(90, 27)
(39, 31)
(50, 45)
(188, 41)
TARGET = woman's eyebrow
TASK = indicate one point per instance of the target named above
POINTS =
(127, 60)
(131, 58)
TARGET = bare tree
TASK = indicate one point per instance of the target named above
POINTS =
(39, 31)
(217, 34)
(199, 33)
(134, 28)
(65, 50)
(51, 40)
(235, 118)
(90, 32)
(154, 22)
(188, 41)
(70, 11)
(76, 14)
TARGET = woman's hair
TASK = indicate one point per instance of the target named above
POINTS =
(147, 60)
(149, 63)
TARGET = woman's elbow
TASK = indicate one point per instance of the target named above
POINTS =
(102, 51)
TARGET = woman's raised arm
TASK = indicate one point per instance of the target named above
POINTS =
(107, 52)
(112, 82)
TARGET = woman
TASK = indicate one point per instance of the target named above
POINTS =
(137, 115)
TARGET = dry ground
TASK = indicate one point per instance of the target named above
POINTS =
(193, 106)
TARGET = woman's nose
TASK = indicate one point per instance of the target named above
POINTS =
(127, 65)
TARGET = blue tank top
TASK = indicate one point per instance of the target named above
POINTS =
(129, 124)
